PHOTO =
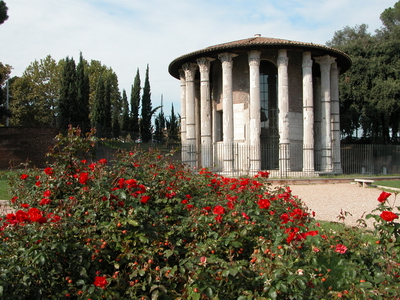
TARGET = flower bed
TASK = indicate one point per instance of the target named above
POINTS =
(143, 227)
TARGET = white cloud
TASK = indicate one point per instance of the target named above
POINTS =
(127, 35)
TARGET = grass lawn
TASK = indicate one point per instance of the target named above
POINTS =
(388, 183)
(4, 186)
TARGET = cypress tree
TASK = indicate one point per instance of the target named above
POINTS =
(125, 122)
(173, 126)
(135, 105)
(107, 104)
(98, 115)
(67, 105)
(145, 122)
(159, 123)
(83, 91)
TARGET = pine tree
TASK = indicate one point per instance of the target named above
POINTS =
(67, 105)
(135, 105)
(83, 91)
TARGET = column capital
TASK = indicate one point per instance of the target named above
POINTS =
(283, 60)
(181, 74)
(190, 69)
(307, 61)
(325, 62)
(254, 58)
(204, 64)
(226, 57)
(335, 69)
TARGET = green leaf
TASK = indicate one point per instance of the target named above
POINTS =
(133, 222)
(378, 278)
(80, 282)
(272, 294)
(366, 285)
(143, 239)
(42, 260)
(233, 272)
(301, 284)
(168, 253)
(209, 292)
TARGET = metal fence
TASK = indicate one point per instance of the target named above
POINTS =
(354, 158)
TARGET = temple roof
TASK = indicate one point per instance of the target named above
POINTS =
(259, 43)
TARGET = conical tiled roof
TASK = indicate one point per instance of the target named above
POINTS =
(258, 43)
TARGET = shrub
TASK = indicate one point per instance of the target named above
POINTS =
(145, 227)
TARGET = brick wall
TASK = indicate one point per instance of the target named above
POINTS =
(22, 144)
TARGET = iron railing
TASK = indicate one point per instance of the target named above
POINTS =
(363, 159)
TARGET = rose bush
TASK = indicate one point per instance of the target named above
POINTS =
(145, 227)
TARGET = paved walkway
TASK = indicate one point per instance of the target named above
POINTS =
(329, 200)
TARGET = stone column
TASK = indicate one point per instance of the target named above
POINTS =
(325, 63)
(308, 114)
(283, 116)
(227, 107)
(317, 123)
(183, 114)
(255, 110)
(205, 112)
(335, 113)
(183, 105)
(190, 69)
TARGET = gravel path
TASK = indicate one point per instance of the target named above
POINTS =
(327, 200)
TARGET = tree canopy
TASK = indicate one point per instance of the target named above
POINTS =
(5, 71)
(370, 90)
(35, 95)
(3, 12)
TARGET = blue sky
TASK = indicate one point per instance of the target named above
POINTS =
(129, 34)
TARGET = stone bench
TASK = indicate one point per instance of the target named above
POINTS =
(364, 182)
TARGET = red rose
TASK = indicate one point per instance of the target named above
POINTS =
(207, 208)
(245, 216)
(340, 248)
(35, 215)
(49, 171)
(102, 161)
(383, 196)
(145, 199)
(100, 281)
(219, 210)
(24, 176)
(44, 201)
(83, 177)
(47, 194)
(263, 174)
(230, 204)
(389, 216)
(21, 216)
(263, 203)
